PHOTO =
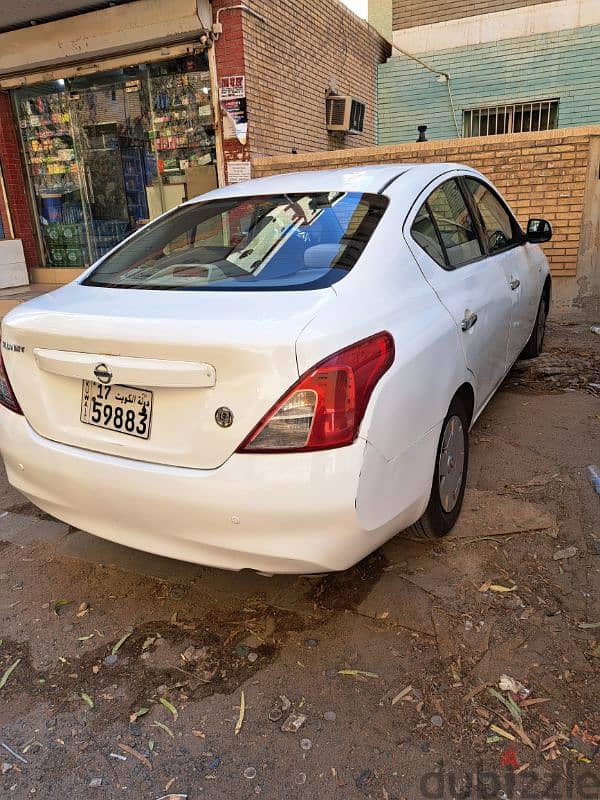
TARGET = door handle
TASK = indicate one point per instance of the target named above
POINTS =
(514, 283)
(469, 320)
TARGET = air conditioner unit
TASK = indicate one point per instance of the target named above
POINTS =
(344, 113)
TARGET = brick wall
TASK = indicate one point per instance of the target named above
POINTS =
(291, 59)
(4, 217)
(563, 65)
(230, 60)
(410, 13)
(14, 183)
(540, 174)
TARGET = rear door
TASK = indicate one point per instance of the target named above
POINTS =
(448, 247)
(505, 244)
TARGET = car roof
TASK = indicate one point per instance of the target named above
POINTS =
(373, 178)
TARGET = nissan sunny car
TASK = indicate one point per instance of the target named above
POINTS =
(281, 374)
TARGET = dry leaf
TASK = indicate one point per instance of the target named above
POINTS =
(127, 749)
(83, 609)
(240, 721)
(402, 694)
(8, 672)
(502, 732)
(356, 672)
(117, 645)
(169, 706)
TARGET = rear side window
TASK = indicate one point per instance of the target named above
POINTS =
(425, 235)
(455, 224)
(270, 242)
(501, 230)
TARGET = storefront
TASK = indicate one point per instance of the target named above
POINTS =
(110, 116)
(107, 152)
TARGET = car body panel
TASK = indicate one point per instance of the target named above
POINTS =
(186, 493)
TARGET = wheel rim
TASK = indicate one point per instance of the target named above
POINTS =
(541, 326)
(451, 463)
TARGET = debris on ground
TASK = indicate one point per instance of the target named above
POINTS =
(84, 608)
(594, 475)
(508, 684)
(173, 797)
(61, 604)
(583, 744)
(12, 752)
(133, 752)
(293, 723)
(567, 552)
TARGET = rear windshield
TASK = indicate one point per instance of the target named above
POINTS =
(282, 241)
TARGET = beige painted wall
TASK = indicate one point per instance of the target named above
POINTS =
(380, 17)
(427, 34)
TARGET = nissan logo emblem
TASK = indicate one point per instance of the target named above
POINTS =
(103, 373)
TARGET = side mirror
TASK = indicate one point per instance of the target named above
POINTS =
(538, 231)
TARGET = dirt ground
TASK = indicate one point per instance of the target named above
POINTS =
(140, 677)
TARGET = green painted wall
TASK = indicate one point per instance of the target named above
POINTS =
(563, 65)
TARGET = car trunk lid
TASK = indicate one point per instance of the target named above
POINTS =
(206, 366)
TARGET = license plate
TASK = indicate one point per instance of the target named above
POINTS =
(123, 409)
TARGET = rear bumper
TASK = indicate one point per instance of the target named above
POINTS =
(285, 513)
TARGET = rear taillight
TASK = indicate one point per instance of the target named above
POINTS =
(7, 396)
(325, 407)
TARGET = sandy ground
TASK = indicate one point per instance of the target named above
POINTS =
(395, 665)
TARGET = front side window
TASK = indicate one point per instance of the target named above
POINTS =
(283, 241)
(501, 231)
(455, 224)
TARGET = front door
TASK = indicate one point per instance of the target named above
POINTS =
(522, 271)
(447, 245)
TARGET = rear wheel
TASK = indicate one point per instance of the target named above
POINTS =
(450, 476)
(535, 345)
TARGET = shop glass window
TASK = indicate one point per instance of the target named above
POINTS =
(501, 231)
(455, 224)
(289, 241)
(108, 152)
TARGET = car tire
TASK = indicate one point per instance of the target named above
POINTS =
(448, 487)
(535, 344)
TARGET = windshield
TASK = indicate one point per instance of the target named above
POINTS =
(283, 241)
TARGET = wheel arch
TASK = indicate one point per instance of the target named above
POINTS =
(466, 394)
(547, 292)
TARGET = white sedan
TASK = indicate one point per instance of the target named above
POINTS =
(278, 375)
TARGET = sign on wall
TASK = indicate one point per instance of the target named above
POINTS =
(238, 171)
(232, 87)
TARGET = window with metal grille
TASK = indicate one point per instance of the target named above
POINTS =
(538, 115)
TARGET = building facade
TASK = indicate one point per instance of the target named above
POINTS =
(487, 67)
(115, 113)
